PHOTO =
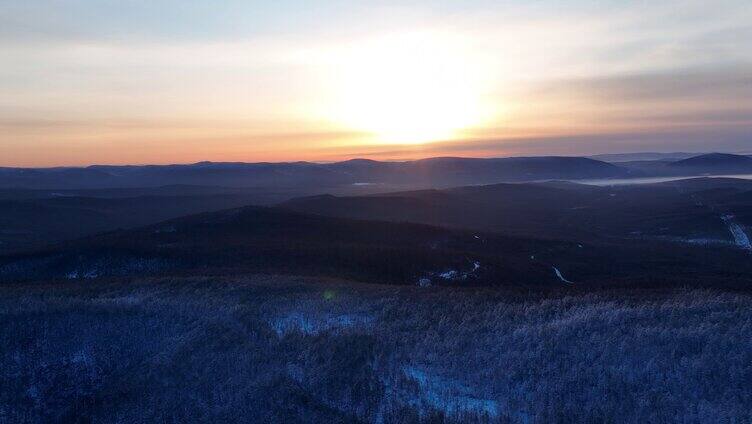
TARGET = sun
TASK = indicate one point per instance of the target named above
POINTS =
(409, 88)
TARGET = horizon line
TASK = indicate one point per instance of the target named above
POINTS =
(403, 160)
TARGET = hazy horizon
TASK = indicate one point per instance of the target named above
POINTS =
(364, 157)
(91, 82)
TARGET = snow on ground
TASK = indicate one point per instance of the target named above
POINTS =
(476, 266)
(560, 276)
(126, 300)
(703, 241)
(74, 275)
(89, 268)
(741, 239)
(424, 282)
(446, 395)
(311, 324)
(699, 241)
(451, 275)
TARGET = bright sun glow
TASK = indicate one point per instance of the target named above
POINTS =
(409, 88)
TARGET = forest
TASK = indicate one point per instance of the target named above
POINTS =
(292, 349)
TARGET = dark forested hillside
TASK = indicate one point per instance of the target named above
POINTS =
(27, 223)
(257, 239)
(715, 163)
(667, 211)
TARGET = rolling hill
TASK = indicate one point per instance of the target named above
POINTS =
(271, 240)
(255, 239)
(706, 164)
(546, 211)
(715, 163)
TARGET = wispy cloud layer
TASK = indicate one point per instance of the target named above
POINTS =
(85, 74)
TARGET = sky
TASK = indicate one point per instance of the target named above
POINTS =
(180, 81)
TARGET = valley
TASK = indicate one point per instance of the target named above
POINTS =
(379, 300)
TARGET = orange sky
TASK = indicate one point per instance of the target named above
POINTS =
(106, 82)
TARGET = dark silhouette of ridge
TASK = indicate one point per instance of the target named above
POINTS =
(716, 163)
(438, 172)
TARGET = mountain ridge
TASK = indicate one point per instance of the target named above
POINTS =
(441, 171)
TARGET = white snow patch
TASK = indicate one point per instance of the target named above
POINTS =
(448, 275)
(126, 300)
(560, 276)
(447, 395)
(741, 239)
(704, 241)
(699, 241)
(454, 274)
(76, 274)
(312, 325)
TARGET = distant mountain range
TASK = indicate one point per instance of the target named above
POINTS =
(41, 206)
(715, 163)
(642, 156)
(706, 164)
(438, 172)
(425, 173)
